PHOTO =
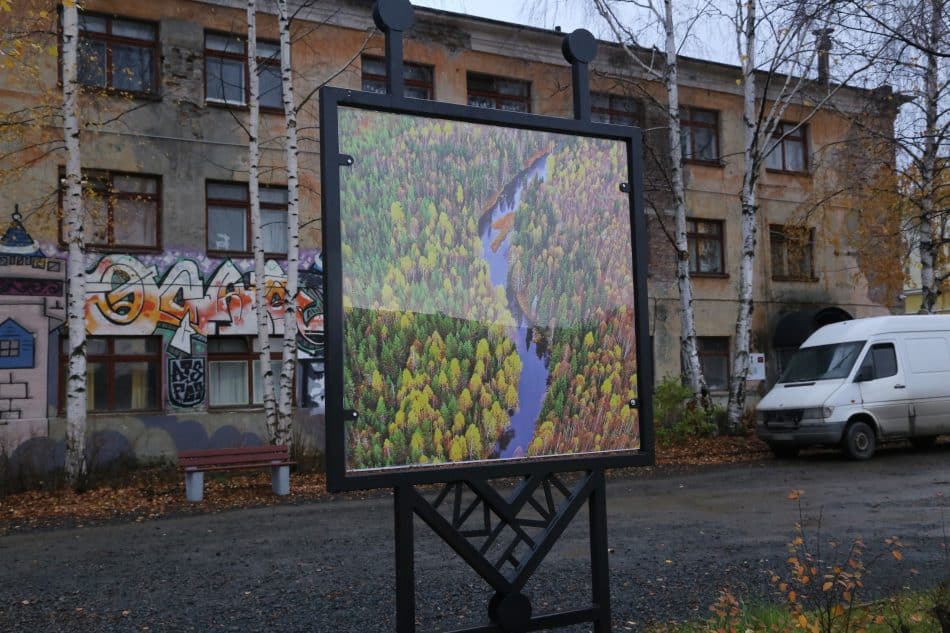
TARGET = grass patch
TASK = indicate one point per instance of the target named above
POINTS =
(904, 613)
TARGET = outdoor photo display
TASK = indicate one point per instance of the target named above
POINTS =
(488, 293)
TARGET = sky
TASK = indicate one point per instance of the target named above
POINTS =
(709, 40)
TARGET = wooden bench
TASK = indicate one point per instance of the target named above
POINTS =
(196, 463)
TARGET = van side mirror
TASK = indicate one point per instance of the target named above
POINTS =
(865, 374)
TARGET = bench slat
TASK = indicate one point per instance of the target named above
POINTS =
(237, 466)
(241, 450)
(234, 458)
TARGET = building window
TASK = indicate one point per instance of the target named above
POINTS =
(229, 218)
(607, 108)
(793, 253)
(790, 152)
(234, 372)
(9, 347)
(226, 71)
(121, 210)
(118, 54)
(699, 133)
(488, 91)
(123, 373)
(705, 242)
(714, 360)
(417, 78)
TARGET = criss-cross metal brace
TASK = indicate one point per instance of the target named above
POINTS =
(535, 514)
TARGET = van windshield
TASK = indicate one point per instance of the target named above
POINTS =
(822, 362)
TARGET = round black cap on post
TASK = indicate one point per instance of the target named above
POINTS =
(579, 49)
(393, 15)
(579, 46)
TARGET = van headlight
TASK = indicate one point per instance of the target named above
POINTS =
(817, 413)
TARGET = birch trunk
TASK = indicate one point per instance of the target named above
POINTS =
(76, 314)
(253, 186)
(693, 370)
(740, 364)
(289, 356)
(929, 286)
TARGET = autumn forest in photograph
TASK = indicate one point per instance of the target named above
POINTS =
(488, 292)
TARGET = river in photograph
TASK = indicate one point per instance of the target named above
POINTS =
(534, 373)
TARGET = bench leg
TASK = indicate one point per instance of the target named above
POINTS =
(195, 486)
(280, 480)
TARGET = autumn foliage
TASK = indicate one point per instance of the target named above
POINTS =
(431, 365)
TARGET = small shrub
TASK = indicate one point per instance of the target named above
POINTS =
(677, 417)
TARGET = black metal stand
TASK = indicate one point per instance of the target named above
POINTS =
(504, 540)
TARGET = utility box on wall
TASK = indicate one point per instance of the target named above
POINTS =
(756, 366)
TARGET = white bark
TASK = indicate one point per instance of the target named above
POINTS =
(289, 356)
(76, 313)
(929, 246)
(670, 76)
(693, 370)
(746, 37)
(254, 160)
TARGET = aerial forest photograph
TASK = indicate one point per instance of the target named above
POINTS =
(487, 292)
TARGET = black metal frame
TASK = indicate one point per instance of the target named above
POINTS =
(509, 610)
(473, 529)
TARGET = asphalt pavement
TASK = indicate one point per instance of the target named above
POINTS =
(676, 538)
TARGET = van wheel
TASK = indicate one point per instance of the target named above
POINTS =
(859, 441)
(923, 442)
(784, 451)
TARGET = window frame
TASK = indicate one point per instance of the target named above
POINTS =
(408, 82)
(494, 95)
(870, 359)
(782, 137)
(9, 347)
(110, 39)
(777, 233)
(637, 114)
(235, 204)
(249, 358)
(109, 359)
(689, 124)
(693, 237)
(704, 353)
(241, 57)
(111, 244)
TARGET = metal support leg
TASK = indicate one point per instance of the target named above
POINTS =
(405, 556)
(194, 486)
(599, 565)
(280, 480)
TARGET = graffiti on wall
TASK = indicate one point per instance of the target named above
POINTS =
(128, 296)
(32, 303)
(186, 381)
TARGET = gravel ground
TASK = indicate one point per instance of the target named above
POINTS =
(677, 538)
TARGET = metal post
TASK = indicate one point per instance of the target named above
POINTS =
(579, 48)
(599, 565)
(393, 17)
(405, 558)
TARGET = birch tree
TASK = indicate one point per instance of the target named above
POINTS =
(661, 14)
(257, 234)
(783, 36)
(913, 37)
(289, 355)
(76, 313)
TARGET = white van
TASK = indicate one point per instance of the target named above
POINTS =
(855, 383)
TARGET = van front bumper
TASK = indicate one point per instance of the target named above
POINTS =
(808, 432)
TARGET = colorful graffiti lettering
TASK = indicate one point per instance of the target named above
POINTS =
(126, 296)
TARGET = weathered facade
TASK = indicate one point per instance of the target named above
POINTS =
(170, 300)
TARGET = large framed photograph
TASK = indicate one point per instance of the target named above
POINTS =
(485, 293)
